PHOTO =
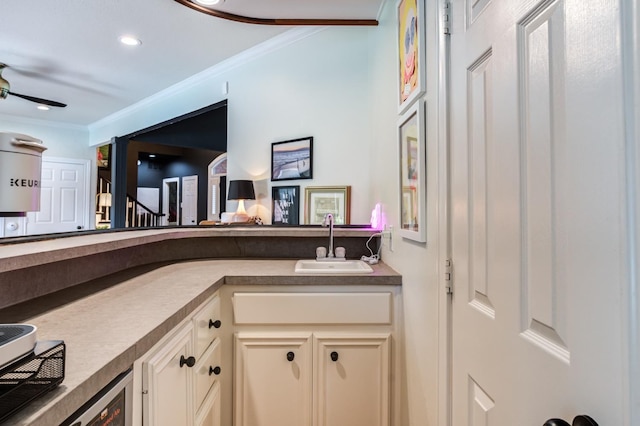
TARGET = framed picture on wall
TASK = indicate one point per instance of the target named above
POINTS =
(411, 52)
(320, 200)
(285, 205)
(292, 159)
(103, 152)
(413, 170)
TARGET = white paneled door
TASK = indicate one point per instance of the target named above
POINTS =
(537, 211)
(189, 200)
(64, 197)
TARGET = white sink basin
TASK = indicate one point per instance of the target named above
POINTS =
(332, 267)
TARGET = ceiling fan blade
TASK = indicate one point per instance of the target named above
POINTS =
(39, 100)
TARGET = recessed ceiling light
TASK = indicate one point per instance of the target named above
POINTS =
(152, 156)
(130, 40)
(43, 107)
(209, 2)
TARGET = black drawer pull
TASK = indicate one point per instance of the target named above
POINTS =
(334, 356)
(290, 356)
(214, 370)
(581, 420)
(214, 324)
(190, 362)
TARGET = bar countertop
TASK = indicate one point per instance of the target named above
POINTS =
(110, 321)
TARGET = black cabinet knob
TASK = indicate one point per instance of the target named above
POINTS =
(556, 422)
(290, 356)
(334, 356)
(214, 370)
(190, 362)
(214, 324)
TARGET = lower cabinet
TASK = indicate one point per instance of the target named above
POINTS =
(311, 379)
(180, 375)
(168, 383)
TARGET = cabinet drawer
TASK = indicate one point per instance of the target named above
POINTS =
(205, 371)
(312, 308)
(206, 323)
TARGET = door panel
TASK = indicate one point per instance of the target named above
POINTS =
(537, 212)
(351, 380)
(169, 398)
(190, 200)
(63, 198)
(272, 382)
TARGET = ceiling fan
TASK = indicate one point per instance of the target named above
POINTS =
(4, 92)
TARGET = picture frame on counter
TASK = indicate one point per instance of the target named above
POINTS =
(292, 159)
(411, 32)
(321, 200)
(285, 205)
(413, 170)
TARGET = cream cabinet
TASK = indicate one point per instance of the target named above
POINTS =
(351, 379)
(168, 384)
(311, 380)
(272, 379)
(312, 359)
(180, 375)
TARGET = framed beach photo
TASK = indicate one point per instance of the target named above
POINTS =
(285, 205)
(292, 159)
(320, 200)
(413, 171)
(411, 52)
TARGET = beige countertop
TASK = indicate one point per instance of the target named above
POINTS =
(122, 316)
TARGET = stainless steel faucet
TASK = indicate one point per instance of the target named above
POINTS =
(328, 220)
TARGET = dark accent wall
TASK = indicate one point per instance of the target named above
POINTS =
(152, 171)
(184, 146)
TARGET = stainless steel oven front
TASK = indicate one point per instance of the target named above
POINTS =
(110, 407)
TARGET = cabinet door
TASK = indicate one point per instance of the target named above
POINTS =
(351, 380)
(209, 414)
(169, 386)
(272, 379)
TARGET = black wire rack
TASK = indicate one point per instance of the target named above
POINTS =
(30, 377)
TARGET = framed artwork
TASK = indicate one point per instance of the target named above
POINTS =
(413, 171)
(411, 52)
(103, 153)
(320, 200)
(292, 159)
(285, 205)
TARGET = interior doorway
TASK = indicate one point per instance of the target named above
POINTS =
(170, 201)
(181, 146)
(216, 187)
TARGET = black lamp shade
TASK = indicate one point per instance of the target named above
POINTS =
(241, 190)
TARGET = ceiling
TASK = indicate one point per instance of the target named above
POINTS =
(68, 50)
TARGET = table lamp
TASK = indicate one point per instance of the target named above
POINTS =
(241, 190)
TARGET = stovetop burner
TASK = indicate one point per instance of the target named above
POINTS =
(16, 341)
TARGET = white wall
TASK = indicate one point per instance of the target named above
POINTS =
(311, 82)
(417, 262)
(61, 140)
